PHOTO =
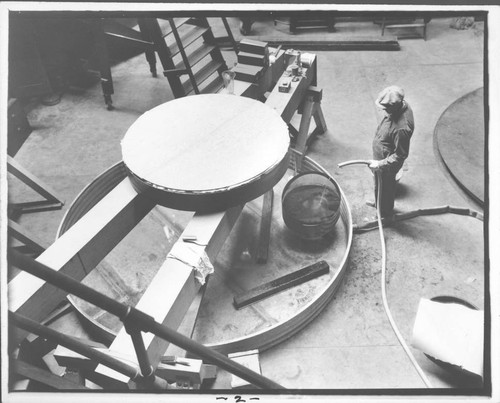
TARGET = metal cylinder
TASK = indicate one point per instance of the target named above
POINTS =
(311, 205)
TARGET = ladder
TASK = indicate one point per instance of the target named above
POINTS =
(191, 59)
(188, 52)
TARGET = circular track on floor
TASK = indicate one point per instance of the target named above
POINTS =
(220, 325)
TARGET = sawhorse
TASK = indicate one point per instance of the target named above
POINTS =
(50, 202)
(18, 131)
(311, 108)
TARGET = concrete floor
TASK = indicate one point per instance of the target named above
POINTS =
(350, 345)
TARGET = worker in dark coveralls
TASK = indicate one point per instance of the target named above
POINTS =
(391, 144)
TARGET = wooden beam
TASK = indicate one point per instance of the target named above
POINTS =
(248, 72)
(16, 169)
(22, 235)
(386, 43)
(281, 283)
(44, 377)
(251, 46)
(305, 122)
(188, 322)
(311, 108)
(265, 227)
(79, 250)
(251, 58)
(172, 290)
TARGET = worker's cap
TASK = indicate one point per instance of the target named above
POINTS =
(390, 96)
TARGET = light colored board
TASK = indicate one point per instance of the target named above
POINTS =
(205, 143)
(172, 290)
(79, 249)
(249, 359)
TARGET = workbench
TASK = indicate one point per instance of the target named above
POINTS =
(304, 97)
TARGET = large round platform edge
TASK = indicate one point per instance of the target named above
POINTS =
(216, 200)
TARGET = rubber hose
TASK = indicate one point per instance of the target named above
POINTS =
(383, 287)
(383, 274)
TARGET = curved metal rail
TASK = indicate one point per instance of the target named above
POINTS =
(269, 336)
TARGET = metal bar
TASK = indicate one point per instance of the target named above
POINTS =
(140, 319)
(147, 369)
(81, 348)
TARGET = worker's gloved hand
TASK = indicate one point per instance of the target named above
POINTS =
(375, 165)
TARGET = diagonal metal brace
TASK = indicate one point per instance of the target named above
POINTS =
(147, 370)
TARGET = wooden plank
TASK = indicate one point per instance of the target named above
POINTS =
(417, 25)
(319, 119)
(130, 36)
(175, 369)
(265, 227)
(387, 43)
(31, 180)
(305, 122)
(251, 59)
(37, 374)
(73, 360)
(252, 46)
(172, 290)
(79, 249)
(281, 283)
(247, 72)
(18, 128)
(22, 235)
(188, 323)
(249, 359)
